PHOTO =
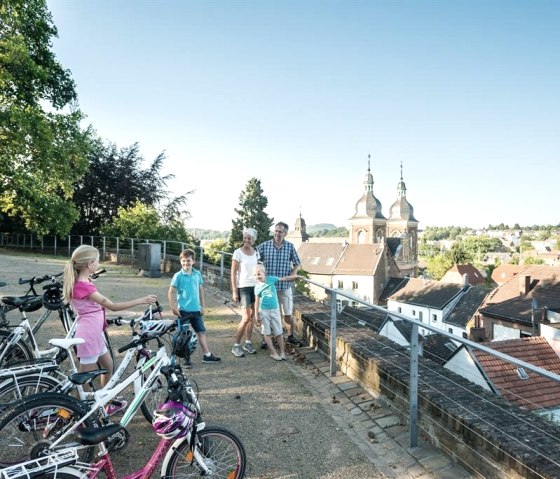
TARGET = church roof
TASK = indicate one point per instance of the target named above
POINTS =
(337, 258)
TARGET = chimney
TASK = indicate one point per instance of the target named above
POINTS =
(524, 285)
(466, 280)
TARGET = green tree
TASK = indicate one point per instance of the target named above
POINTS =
(214, 249)
(43, 146)
(115, 178)
(250, 213)
(438, 265)
(145, 222)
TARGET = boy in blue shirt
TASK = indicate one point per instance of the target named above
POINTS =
(267, 310)
(186, 298)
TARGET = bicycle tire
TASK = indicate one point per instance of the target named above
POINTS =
(13, 353)
(223, 449)
(36, 422)
(21, 387)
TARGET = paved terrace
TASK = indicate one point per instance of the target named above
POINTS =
(294, 420)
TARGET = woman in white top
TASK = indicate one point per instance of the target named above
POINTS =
(243, 287)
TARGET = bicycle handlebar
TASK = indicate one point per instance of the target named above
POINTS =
(35, 280)
(97, 273)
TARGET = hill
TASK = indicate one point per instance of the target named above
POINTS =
(320, 227)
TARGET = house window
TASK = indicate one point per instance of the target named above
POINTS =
(400, 309)
(355, 304)
(434, 317)
(315, 260)
(413, 312)
(330, 261)
(450, 330)
(340, 284)
(354, 285)
(420, 316)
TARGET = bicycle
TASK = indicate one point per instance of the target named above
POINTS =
(21, 344)
(51, 418)
(24, 380)
(188, 448)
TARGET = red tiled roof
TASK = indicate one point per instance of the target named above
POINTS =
(536, 391)
(511, 288)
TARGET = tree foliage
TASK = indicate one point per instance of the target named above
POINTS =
(115, 179)
(145, 222)
(250, 213)
(438, 265)
(43, 146)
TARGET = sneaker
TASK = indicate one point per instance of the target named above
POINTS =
(294, 341)
(249, 348)
(237, 350)
(188, 363)
(115, 406)
(210, 359)
(263, 344)
(276, 357)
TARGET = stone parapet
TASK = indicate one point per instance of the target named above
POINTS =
(481, 431)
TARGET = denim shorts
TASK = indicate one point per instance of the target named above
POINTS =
(246, 296)
(194, 318)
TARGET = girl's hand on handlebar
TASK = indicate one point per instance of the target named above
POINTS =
(150, 299)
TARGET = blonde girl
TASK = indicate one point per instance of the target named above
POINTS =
(89, 306)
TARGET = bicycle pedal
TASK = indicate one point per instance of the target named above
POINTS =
(118, 441)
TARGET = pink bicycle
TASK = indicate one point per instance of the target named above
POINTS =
(187, 449)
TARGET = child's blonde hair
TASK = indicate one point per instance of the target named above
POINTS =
(259, 267)
(81, 257)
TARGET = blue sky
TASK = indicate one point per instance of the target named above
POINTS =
(297, 93)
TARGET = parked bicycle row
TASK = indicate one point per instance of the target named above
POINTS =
(56, 421)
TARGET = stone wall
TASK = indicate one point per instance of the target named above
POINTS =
(472, 425)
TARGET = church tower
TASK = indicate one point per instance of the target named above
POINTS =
(299, 234)
(368, 225)
(402, 232)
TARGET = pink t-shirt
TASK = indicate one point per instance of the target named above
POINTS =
(90, 320)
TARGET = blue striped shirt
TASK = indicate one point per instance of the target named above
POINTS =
(279, 261)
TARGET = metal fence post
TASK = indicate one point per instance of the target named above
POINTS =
(104, 249)
(201, 260)
(69, 246)
(131, 251)
(117, 250)
(333, 335)
(413, 388)
(221, 270)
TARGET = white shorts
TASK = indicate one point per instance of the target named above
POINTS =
(286, 301)
(271, 324)
(93, 359)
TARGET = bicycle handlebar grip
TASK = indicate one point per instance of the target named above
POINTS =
(26, 281)
(127, 346)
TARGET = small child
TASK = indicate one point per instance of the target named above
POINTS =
(267, 310)
(186, 299)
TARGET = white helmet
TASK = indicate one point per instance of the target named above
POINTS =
(154, 327)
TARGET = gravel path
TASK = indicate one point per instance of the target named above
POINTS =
(286, 430)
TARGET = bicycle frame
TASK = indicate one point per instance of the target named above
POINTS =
(24, 331)
(105, 395)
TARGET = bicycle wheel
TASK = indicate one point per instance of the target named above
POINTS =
(223, 453)
(155, 398)
(12, 353)
(29, 429)
(20, 387)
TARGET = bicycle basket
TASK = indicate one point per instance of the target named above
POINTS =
(184, 343)
(52, 298)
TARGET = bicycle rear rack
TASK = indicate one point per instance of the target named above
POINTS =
(43, 465)
(38, 366)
